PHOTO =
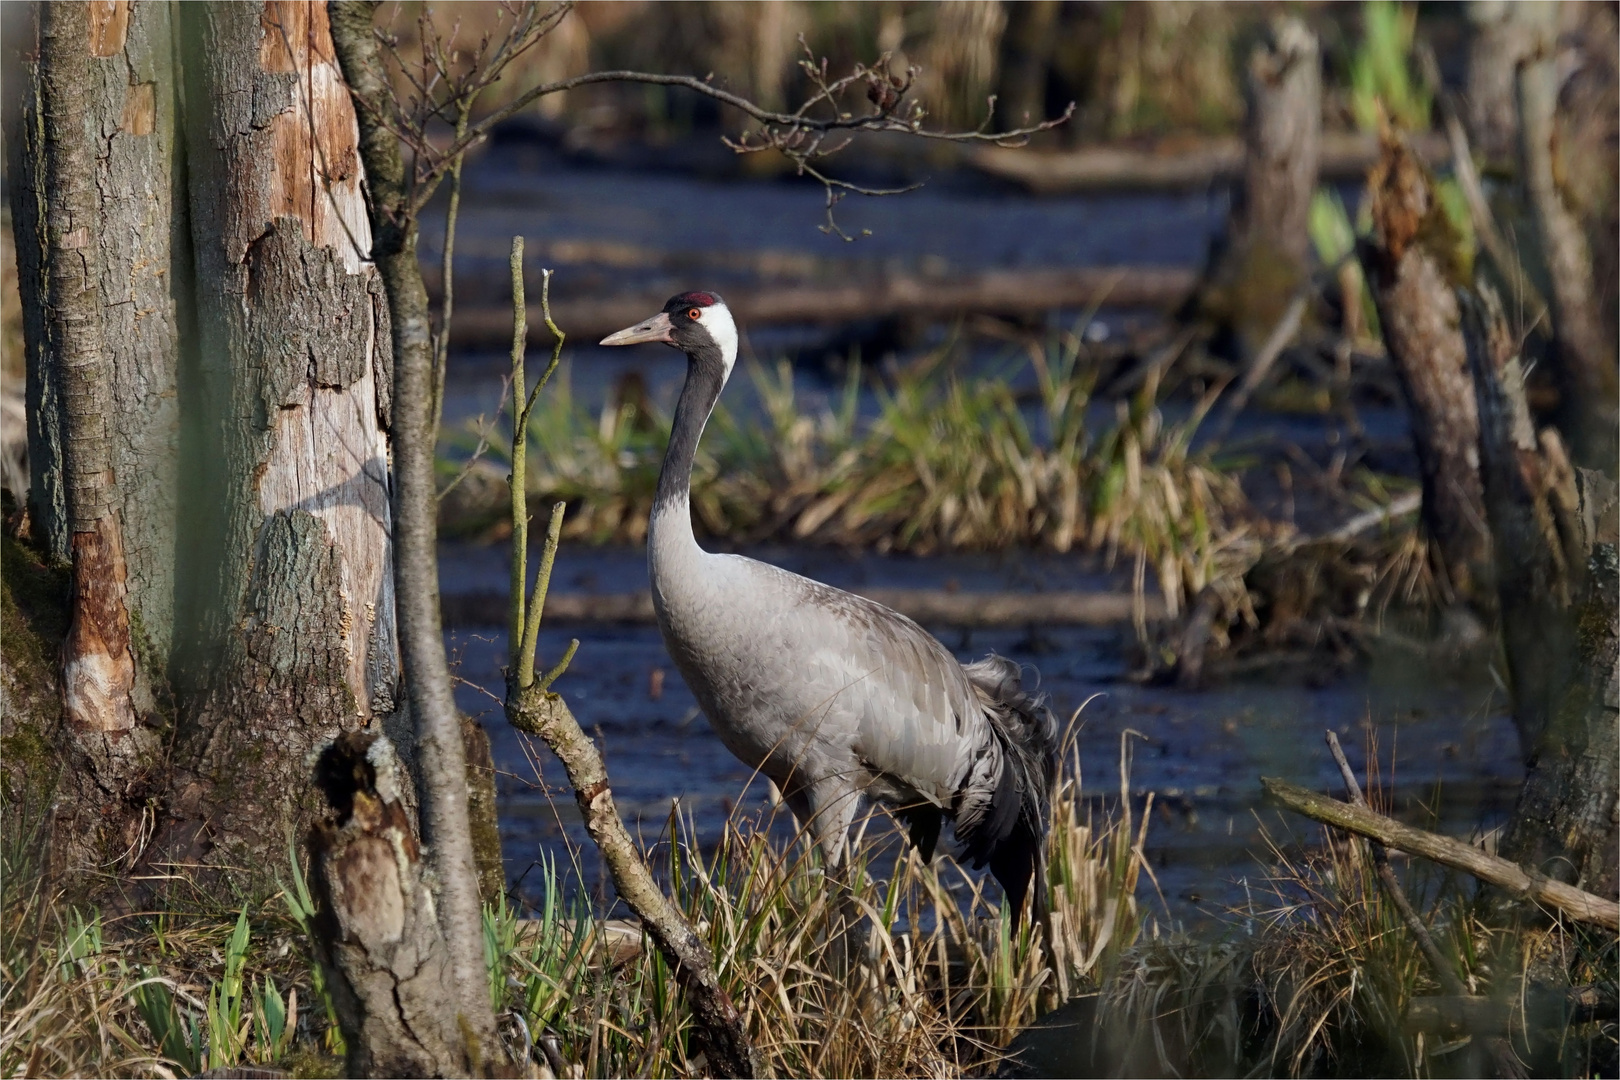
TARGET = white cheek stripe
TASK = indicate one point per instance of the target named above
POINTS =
(717, 320)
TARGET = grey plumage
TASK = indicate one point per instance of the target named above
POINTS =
(834, 697)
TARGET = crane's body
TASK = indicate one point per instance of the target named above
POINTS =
(834, 697)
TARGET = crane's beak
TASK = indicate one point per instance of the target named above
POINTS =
(657, 328)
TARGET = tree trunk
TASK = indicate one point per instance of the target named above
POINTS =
(1266, 253)
(1498, 41)
(1412, 262)
(1555, 533)
(222, 313)
(1026, 52)
(289, 606)
(1585, 340)
(95, 228)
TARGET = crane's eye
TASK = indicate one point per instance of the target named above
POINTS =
(695, 314)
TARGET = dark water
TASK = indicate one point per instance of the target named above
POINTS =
(1201, 754)
(662, 234)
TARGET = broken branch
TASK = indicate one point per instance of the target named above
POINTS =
(1576, 903)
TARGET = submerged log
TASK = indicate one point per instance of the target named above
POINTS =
(1005, 292)
(1543, 1007)
(969, 610)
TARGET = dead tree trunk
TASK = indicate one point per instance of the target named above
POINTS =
(1499, 39)
(378, 930)
(1555, 534)
(1267, 247)
(1411, 261)
(1585, 339)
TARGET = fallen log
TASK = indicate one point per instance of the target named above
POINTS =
(1576, 903)
(969, 610)
(1002, 292)
(1178, 164)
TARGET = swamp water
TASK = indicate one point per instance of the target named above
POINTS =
(1200, 754)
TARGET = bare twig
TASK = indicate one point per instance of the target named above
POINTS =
(441, 90)
(1507, 1063)
(517, 479)
(447, 278)
(1397, 895)
(532, 708)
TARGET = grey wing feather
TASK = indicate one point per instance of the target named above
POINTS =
(918, 717)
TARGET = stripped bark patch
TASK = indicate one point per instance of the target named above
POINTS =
(109, 26)
(295, 33)
(140, 110)
(315, 176)
(98, 672)
(314, 334)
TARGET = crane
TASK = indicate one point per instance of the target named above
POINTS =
(834, 697)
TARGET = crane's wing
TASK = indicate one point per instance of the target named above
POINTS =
(912, 713)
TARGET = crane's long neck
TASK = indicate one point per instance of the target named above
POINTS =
(670, 529)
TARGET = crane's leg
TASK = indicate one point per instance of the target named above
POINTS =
(826, 811)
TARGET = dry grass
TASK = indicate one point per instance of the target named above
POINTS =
(1315, 977)
(1320, 976)
(932, 983)
(197, 985)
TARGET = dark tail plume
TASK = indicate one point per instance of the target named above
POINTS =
(1011, 835)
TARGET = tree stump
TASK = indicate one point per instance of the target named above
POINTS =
(1413, 265)
(1265, 256)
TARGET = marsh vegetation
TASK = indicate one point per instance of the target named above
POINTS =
(1262, 454)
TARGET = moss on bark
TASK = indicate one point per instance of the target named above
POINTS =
(33, 622)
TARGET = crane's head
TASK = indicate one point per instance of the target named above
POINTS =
(697, 323)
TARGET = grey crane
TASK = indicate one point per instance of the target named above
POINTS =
(832, 696)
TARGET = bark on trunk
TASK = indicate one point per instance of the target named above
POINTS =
(1555, 537)
(74, 137)
(25, 130)
(1267, 252)
(446, 822)
(97, 668)
(260, 356)
(287, 521)
(1411, 263)
(393, 981)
